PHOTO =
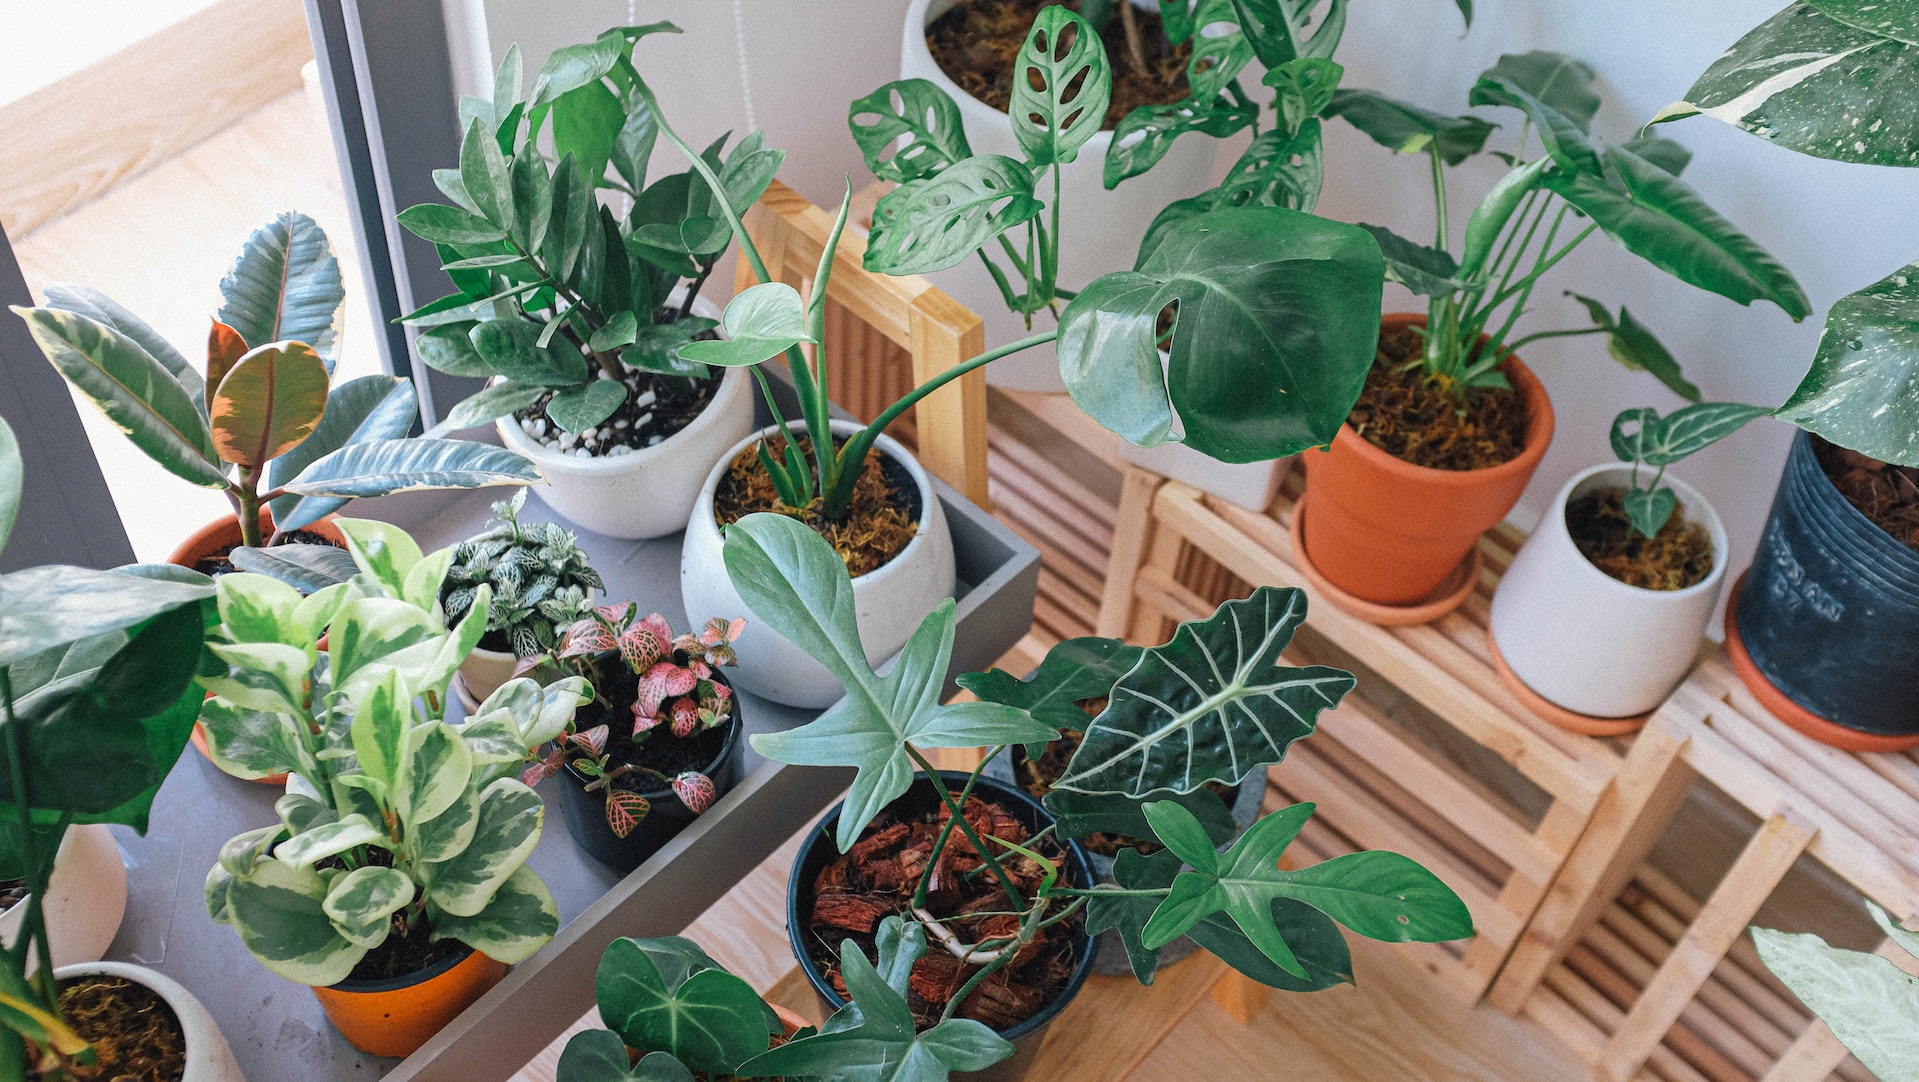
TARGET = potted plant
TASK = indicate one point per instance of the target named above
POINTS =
(541, 584)
(1451, 424)
(1825, 628)
(262, 421)
(1868, 1001)
(574, 312)
(395, 881)
(99, 665)
(659, 741)
(944, 840)
(1600, 614)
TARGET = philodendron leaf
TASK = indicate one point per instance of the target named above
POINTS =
(1409, 129)
(358, 411)
(1276, 329)
(761, 323)
(1871, 1005)
(410, 465)
(1283, 30)
(12, 481)
(1074, 670)
(1214, 704)
(1684, 432)
(285, 286)
(1062, 84)
(1565, 139)
(598, 1055)
(1632, 344)
(661, 996)
(1428, 272)
(935, 222)
(269, 403)
(916, 121)
(1834, 79)
(1082, 814)
(1860, 390)
(796, 584)
(1562, 82)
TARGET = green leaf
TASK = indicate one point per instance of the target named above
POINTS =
(1146, 134)
(1061, 87)
(12, 481)
(620, 330)
(285, 286)
(1127, 914)
(134, 390)
(512, 348)
(1561, 82)
(933, 223)
(1409, 129)
(1276, 330)
(1830, 79)
(383, 716)
(1180, 831)
(1660, 219)
(507, 831)
(573, 218)
(257, 609)
(1176, 19)
(359, 411)
(1277, 170)
(1303, 89)
(1083, 814)
(97, 306)
(520, 918)
(794, 582)
(1871, 1004)
(483, 172)
(384, 466)
(1073, 670)
(1428, 272)
(1664, 153)
(268, 403)
(574, 66)
(761, 323)
(52, 606)
(306, 568)
(447, 225)
(1633, 345)
(1649, 509)
(1214, 704)
(362, 902)
(666, 995)
(1685, 432)
(279, 911)
(329, 839)
(1490, 217)
(1564, 138)
(633, 147)
(586, 122)
(576, 409)
(916, 112)
(1860, 390)
(597, 1055)
(490, 403)
(267, 676)
(1278, 29)
(384, 551)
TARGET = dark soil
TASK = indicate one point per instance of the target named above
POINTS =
(1680, 555)
(218, 564)
(884, 517)
(876, 879)
(656, 407)
(618, 688)
(496, 641)
(1433, 424)
(1884, 493)
(133, 1031)
(976, 43)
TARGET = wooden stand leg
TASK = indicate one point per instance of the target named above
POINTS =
(952, 420)
(1241, 997)
(1133, 530)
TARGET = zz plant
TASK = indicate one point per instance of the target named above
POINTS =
(261, 420)
(540, 580)
(1643, 438)
(394, 822)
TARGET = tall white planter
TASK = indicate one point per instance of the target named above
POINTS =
(86, 898)
(1100, 230)
(208, 1057)
(889, 603)
(1586, 641)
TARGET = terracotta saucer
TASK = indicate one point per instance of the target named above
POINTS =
(200, 742)
(1445, 597)
(1553, 712)
(1790, 712)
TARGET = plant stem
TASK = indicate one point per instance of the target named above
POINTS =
(939, 843)
(1135, 46)
(33, 928)
(248, 496)
(957, 810)
(985, 971)
(1439, 193)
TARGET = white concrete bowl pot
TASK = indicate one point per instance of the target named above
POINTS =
(86, 898)
(208, 1057)
(1100, 230)
(889, 603)
(1586, 641)
(1251, 485)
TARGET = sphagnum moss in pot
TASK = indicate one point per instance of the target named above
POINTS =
(916, 842)
(1451, 426)
(1602, 611)
(395, 882)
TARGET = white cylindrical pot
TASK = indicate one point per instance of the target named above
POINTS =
(889, 603)
(1586, 641)
(208, 1057)
(86, 898)
(1100, 230)
(483, 671)
(1251, 485)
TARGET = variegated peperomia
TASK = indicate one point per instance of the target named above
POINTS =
(394, 822)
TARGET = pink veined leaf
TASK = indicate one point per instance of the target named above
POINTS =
(661, 682)
(657, 624)
(535, 774)
(624, 810)
(695, 790)
(641, 647)
(594, 739)
(699, 669)
(714, 644)
(617, 615)
(643, 721)
(587, 637)
(686, 718)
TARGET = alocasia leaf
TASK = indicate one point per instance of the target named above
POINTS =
(1562, 82)
(1632, 344)
(666, 995)
(1428, 272)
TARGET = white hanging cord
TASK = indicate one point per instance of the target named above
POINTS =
(746, 83)
(632, 12)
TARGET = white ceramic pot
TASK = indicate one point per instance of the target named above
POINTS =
(208, 1057)
(1586, 641)
(483, 671)
(1100, 230)
(86, 898)
(1251, 485)
(889, 603)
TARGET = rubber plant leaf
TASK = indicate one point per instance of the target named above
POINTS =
(1283, 30)
(1213, 704)
(1633, 344)
(285, 287)
(1277, 322)
(1871, 1004)
(1860, 390)
(411, 465)
(358, 411)
(136, 392)
(933, 223)
(1409, 129)
(1062, 84)
(1563, 83)
(269, 403)
(661, 996)
(761, 323)
(1834, 79)
(97, 306)
(795, 583)
(872, 1038)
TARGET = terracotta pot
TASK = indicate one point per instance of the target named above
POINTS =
(395, 1017)
(1389, 532)
(222, 532)
(209, 1059)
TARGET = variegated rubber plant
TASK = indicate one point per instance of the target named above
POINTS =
(392, 819)
(1643, 438)
(1213, 705)
(261, 421)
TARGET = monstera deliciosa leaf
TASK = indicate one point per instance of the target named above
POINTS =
(1861, 388)
(1277, 320)
(667, 995)
(1870, 1003)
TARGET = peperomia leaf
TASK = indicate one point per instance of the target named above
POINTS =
(933, 223)
(1870, 1003)
(1632, 344)
(1062, 84)
(285, 287)
(915, 120)
(666, 995)
(1859, 391)
(506, 832)
(268, 403)
(796, 584)
(1214, 704)
(1409, 129)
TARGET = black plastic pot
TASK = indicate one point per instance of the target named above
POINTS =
(1830, 610)
(585, 812)
(818, 851)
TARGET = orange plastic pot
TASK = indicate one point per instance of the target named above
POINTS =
(224, 532)
(1387, 531)
(395, 1017)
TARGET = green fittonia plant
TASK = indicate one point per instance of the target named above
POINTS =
(1871, 1004)
(1836, 79)
(96, 668)
(540, 580)
(1518, 232)
(261, 421)
(1643, 438)
(1212, 705)
(394, 822)
(558, 295)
